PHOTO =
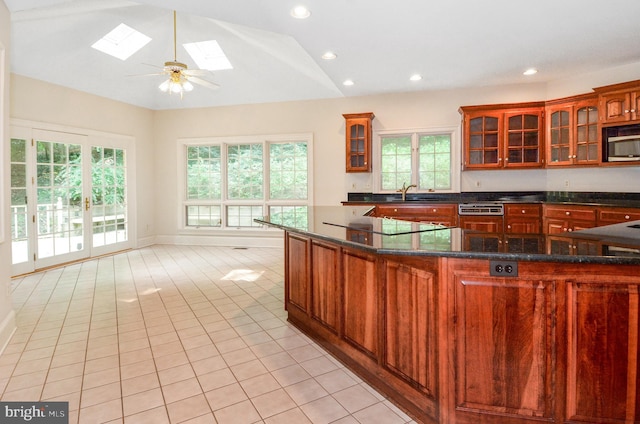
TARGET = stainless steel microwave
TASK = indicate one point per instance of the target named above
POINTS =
(623, 148)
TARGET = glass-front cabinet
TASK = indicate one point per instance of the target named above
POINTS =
(572, 132)
(358, 141)
(503, 136)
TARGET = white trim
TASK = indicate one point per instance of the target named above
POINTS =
(456, 141)
(275, 240)
(4, 141)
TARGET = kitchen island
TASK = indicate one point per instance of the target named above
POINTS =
(459, 326)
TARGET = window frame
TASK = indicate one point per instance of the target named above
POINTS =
(224, 202)
(454, 133)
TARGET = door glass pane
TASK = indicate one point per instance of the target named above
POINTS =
(59, 205)
(19, 215)
(108, 196)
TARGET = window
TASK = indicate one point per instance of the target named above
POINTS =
(424, 159)
(229, 182)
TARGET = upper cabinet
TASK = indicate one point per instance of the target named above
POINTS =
(572, 131)
(619, 103)
(503, 136)
(358, 141)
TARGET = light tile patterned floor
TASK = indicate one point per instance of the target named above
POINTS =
(172, 334)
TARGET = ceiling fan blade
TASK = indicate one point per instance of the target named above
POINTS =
(147, 75)
(203, 83)
(194, 72)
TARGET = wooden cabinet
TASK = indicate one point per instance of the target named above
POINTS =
(522, 218)
(444, 214)
(611, 215)
(503, 136)
(619, 103)
(567, 218)
(572, 131)
(485, 224)
(358, 141)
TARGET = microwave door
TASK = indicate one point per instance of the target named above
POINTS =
(624, 150)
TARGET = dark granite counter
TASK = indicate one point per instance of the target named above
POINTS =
(631, 200)
(348, 226)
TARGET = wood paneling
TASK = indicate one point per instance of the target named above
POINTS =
(603, 333)
(360, 301)
(503, 347)
(410, 324)
(297, 274)
(326, 284)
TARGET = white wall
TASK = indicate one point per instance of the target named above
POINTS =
(7, 316)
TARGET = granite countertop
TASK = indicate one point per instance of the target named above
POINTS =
(630, 200)
(348, 226)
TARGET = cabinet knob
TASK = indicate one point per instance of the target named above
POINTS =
(570, 229)
(395, 210)
(632, 110)
(435, 210)
(564, 229)
(523, 211)
(627, 217)
(567, 213)
(626, 111)
(509, 226)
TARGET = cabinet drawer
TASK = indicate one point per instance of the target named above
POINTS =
(516, 210)
(416, 210)
(618, 215)
(584, 213)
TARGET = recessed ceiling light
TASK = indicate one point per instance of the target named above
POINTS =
(208, 55)
(348, 82)
(329, 56)
(530, 71)
(415, 77)
(300, 12)
(121, 42)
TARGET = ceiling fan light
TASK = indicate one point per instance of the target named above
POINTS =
(164, 87)
(187, 86)
(175, 88)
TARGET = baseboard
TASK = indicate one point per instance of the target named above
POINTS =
(240, 240)
(7, 328)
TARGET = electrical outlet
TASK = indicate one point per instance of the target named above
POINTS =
(503, 268)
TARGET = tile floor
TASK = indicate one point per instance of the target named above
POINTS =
(172, 334)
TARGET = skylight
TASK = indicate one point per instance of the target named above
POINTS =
(121, 42)
(208, 55)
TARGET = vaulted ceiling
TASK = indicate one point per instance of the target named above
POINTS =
(379, 45)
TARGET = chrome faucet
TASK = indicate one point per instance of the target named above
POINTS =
(404, 190)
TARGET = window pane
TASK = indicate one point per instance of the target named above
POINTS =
(288, 170)
(434, 161)
(243, 216)
(204, 179)
(203, 216)
(395, 162)
(293, 216)
(245, 171)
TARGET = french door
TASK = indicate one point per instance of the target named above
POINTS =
(68, 198)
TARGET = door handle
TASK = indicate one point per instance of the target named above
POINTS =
(86, 204)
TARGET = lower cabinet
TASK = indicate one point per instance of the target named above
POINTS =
(449, 343)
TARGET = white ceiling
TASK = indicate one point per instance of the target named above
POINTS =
(379, 43)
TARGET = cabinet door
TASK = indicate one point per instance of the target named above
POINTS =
(410, 325)
(602, 366)
(559, 137)
(523, 139)
(486, 224)
(608, 216)
(587, 137)
(325, 284)
(483, 140)
(298, 274)
(504, 346)
(360, 305)
(615, 107)
(358, 142)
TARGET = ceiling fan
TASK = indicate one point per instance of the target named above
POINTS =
(180, 77)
